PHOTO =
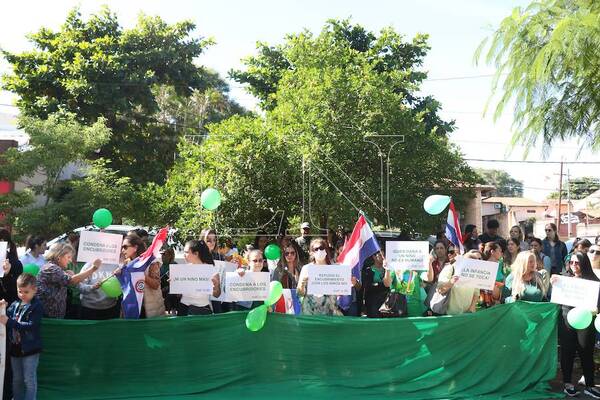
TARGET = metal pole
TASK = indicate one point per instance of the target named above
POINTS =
(568, 206)
(559, 197)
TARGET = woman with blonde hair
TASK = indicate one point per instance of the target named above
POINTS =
(53, 280)
(525, 282)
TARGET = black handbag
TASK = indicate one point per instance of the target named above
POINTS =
(394, 306)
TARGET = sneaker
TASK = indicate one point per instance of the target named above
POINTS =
(593, 392)
(570, 390)
(581, 381)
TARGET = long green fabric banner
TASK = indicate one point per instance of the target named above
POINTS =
(507, 351)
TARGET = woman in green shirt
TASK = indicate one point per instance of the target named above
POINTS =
(409, 284)
(525, 282)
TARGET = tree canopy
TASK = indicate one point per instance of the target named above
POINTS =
(506, 185)
(547, 57)
(324, 118)
(94, 68)
(579, 188)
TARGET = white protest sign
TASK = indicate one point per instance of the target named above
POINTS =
(223, 267)
(3, 247)
(191, 278)
(575, 292)
(94, 245)
(476, 274)
(250, 287)
(407, 255)
(329, 279)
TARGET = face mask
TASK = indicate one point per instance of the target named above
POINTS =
(320, 255)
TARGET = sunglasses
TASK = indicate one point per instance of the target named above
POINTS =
(125, 247)
(573, 262)
(318, 248)
(451, 251)
(290, 253)
(594, 251)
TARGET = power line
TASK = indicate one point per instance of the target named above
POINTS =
(534, 162)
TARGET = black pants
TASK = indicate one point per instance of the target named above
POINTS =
(580, 341)
(184, 309)
(99, 315)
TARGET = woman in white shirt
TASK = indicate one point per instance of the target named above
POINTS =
(197, 252)
(36, 247)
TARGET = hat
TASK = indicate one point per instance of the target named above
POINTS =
(305, 225)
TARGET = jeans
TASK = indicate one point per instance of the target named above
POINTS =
(25, 376)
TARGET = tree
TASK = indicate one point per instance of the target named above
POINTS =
(506, 185)
(547, 58)
(95, 68)
(318, 124)
(579, 188)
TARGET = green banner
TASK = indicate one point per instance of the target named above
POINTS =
(507, 351)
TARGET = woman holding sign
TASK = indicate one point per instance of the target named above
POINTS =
(53, 279)
(316, 304)
(525, 282)
(579, 341)
(198, 252)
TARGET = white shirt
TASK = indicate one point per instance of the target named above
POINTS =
(198, 300)
(28, 258)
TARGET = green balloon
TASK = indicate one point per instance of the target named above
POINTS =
(579, 318)
(102, 218)
(256, 318)
(111, 287)
(32, 269)
(272, 252)
(275, 292)
(210, 199)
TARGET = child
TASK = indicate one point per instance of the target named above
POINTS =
(23, 320)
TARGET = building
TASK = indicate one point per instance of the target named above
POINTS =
(511, 211)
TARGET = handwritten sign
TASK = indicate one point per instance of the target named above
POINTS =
(191, 278)
(575, 292)
(250, 287)
(476, 274)
(94, 245)
(223, 267)
(407, 255)
(329, 279)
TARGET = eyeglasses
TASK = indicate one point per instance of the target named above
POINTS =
(594, 251)
(548, 230)
(573, 262)
(125, 247)
(290, 253)
(318, 248)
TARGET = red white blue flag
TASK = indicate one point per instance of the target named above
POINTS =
(453, 233)
(288, 303)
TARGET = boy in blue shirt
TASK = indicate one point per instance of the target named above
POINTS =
(23, 321)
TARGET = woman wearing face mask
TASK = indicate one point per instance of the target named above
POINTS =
(517, 234)
(555, 249)
(594, 256)
(525, 282)
(316, 304)
(580, 341)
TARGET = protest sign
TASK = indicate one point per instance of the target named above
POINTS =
(3, 248)
(476, 274)
(250, 287)
(223, 267)
(575, 292)
(407, 255)
(329, 279)
(191, 278)
(99, 245)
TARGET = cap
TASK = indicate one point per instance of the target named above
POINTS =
(305, 225)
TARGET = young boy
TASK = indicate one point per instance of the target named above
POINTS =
(23, 321)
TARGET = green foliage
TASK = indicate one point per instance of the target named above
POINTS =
(345, 85)
(579, 188)
(95, 68)
(54, 143)
(506, 185)
(547, 57)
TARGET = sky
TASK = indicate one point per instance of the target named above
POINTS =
(455, 27)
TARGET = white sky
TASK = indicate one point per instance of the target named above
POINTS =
(455, 27)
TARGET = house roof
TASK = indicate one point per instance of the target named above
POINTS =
(514, 201)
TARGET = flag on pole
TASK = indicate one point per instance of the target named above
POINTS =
(132, 277)
(361, 245)
(453, 233)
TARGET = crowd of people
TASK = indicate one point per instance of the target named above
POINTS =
(65, 289)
